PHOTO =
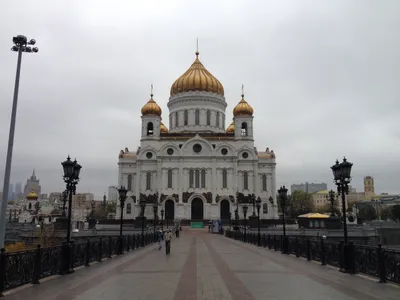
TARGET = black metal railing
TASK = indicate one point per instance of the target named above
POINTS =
(25, 267)
(370, 260)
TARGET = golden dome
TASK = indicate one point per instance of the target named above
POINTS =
(243, 108)
(151, 108)
(163, 128)
(231, 128)
(197, 78)
(32, 195)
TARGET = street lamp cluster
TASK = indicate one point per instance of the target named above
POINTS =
(122, 198)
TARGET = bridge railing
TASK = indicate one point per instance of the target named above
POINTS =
(25, 267)
(374, 261)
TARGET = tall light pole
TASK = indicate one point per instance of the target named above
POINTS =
(21, 44)
(342, 177)
(122, 197)
(283, 199)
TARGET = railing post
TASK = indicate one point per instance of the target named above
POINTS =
(381, 264)
(323, 252)
(341, 252)
(87, 256)
(3, 268)
(308, 243)
(296, 245)
(37, 263)
(100, 249)
(65, 258)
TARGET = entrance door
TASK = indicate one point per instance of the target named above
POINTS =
(169, 210)
(224, 209)
(197, 209)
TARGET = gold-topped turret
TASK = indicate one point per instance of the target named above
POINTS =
(197, 78)
(151, 108)
(243, 108)
(163, 128)
(32, 195)
(231, 128)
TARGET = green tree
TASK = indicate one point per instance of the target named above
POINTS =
(111, 208)
(327, 209)
(301, 203)
(367, 213)
(395, 213)
(385, 213)
(350, 206)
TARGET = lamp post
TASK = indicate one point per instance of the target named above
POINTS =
(104, 202)
(342, 177)
(162, 220)
(331, 198)
(21, 44)
(155, 209)
(71, 178)
(230, 217)
(122, 197)
(282, 192)
(244, 215)
(258, 219)
(253, 202)
(142, 207)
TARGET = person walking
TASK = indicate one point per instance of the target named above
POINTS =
(160, 238)
(168, 238)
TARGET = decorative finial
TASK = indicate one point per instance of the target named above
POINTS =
(242, 91)
(197, 48)
(151, 91)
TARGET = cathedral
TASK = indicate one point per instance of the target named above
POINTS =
(197, 169)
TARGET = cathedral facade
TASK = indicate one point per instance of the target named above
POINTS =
(197, 169)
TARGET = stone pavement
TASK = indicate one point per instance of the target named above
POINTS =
(203, 266)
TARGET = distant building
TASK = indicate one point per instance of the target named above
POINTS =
(369, 188)
(309, 187)
(32, 184)
(18, 188)
(112, 193)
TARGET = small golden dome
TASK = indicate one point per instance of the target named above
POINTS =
(197, 78)
(151, 108)
(231, 128)
(243, 108)
(32, 195)
(163, 128)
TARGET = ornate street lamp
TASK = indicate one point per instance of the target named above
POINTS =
(245, 223)
(122, 197)
(71, 177)
(143, 208)
(155, 210)
(282, 192)
(21, 44)
(258, 219)
(252, 198)
(342, 178)
(162, 220)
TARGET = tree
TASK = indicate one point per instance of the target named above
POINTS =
(327, 209)
(111, 208)
(395, 213)
(301, 203)
(367, 213)
(350, 206)
(385, 213)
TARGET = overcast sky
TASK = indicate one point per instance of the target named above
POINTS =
(322, 76)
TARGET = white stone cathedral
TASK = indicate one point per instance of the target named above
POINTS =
(197, 169)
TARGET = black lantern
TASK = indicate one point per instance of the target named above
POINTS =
(77, 170)
(68, 167)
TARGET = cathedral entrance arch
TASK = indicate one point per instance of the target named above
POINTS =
(197, 209)
(224, 209)
(169, 210)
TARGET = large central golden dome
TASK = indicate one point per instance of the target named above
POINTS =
(197, 78)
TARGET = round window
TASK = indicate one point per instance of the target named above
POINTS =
(224, 151)
(245, 155)
(149, 155)
(170, 151)
(197, 148)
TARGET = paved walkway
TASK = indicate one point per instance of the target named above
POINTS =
(203, 266)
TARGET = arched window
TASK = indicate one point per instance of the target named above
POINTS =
(148, 181)
(150, 128)
(245, 181)
(169, 179)
(197, 179)
(128, 208)
(176, 119)
(185, 117)
(203, 179)
(197, 117)
(224, 179)
(191, 178)
(130, 182)
(217, 120)
(264, 183)
(30, 206)
(244, 129)
(208, 117)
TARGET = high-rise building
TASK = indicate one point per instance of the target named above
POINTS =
(308, 187)
(32, 184)
(10, 192)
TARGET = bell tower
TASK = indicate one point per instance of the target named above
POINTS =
(151, 119)
(243, 119)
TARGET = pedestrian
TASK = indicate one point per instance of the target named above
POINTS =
(160, 237)
(177, 231)
(168, 238)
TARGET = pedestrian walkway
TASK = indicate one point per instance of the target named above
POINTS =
(204, 266)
